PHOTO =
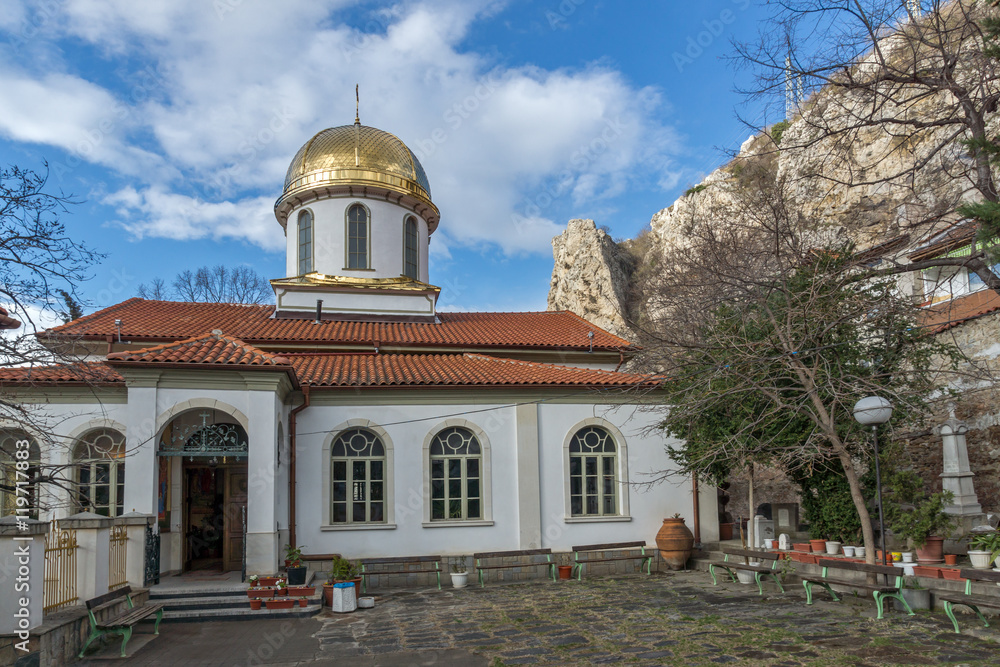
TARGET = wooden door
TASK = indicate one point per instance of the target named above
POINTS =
(235, 510)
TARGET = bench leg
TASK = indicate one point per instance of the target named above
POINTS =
(950, 610)
(156, 626)
(126, 635)
(579, 571)
(760, 586)
(649, 565)
(439, 579)
(94, 634)
(776, 580)
(808, 586)
(711, 571)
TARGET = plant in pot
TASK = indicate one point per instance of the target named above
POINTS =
(915, 595)
(565, 567)
(459, 574)
(984, 548)
(342, 570)
(294, 568)
(917, 517)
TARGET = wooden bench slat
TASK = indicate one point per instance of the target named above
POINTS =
(606, 547)
(751, 553)
(133, 616)
(890, 570)
(507, 554)
(110, 596)
(978, 600)
(401, 559)
(980, 575)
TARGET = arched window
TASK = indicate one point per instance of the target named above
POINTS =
(358, 478)
(456, 475)
(100, 472)
(16, 446)
(410, 254)
(593, 478)
(305, 242)
(357, 237)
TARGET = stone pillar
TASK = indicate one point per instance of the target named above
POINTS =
(135, 554)
(262, 528)
(140, 437)
(93, 537)
(529, 500)
(22, 571)
(957, 475)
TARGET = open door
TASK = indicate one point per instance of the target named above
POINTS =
(235, 507)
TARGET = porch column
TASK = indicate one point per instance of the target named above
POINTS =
(262, 528)
(140, 443)
(22, 571)
(135, 554)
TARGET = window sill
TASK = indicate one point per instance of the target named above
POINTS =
(455, 524)
(596, 519)
(359, 526)
(347, 269)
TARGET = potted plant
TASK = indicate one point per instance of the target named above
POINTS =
(280, 603)
(915, 595)
(255, 603)
(342, 570)
(280, 587)
(459, 574)
(254, 581)
(832, 547)
(565, 568)
(919, 518)
(984, 548)
(293, 565)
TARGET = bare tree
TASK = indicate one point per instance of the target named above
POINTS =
(217, 284)
(890, 99)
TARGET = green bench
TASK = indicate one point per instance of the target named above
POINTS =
(759, 571)
(399, 565)
(121, 624)
(880, 593)
(967, 599)
(645, 560)
(488, 556)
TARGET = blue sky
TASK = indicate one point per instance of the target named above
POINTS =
(174, 122)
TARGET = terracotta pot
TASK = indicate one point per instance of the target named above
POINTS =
(565, 571)
(675, 543)
(954, 574)
(280, 603)
(298, 591)
(951, 559)
(818, 546)
(255, 604)
(932, 551)
(804, 547)
(328, 594)
(725, 531)
(268, 581)
(303, 602)
(258, 593)
(927, 571)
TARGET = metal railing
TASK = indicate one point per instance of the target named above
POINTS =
(59, 585)
(117, 550)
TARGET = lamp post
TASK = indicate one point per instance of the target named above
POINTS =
(875, 410)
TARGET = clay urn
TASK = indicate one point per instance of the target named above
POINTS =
(675, 543)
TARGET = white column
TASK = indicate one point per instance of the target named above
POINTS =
(529, 499)
(957, 474)
(140, 462)
(22, 571)
(93, 537)
(262, 530)
(135, 553)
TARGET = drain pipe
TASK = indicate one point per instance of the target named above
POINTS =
(697, 513)
(291, 464)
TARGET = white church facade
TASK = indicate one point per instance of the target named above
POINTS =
(350, 416)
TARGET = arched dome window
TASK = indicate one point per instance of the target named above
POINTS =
(410, 254)
(357, 237)
(305, 242)
(100, 472)
(358, 476)
(456, 465)
(593, 477)
(12, 446)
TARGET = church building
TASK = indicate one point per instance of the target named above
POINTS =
(351, 416)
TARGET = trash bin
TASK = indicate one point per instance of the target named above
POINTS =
(343, 597)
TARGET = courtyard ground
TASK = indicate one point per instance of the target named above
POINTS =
(672, 619)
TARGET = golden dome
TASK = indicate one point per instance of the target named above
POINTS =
(356, 159)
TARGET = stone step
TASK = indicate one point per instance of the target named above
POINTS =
(244, 613)
(217, 602)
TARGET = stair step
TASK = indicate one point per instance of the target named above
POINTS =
(212, 602)
(240, 613)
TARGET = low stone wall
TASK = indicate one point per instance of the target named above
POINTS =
(59, 638)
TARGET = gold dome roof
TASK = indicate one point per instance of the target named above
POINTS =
(357, 155)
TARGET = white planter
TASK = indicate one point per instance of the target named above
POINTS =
(832, 548)
(980, 559)
(366, 603)
(907, 556)
(459, 579)
(768, 544)
(859, 552)
(745, 576)
(849, 552)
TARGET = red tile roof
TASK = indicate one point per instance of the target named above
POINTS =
(944, 316)
(399, 370)
(211, 349)
(147, 321)
(82, 373)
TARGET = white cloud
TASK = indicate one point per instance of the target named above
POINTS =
(236, 87)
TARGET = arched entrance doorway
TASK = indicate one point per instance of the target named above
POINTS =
(208, 450)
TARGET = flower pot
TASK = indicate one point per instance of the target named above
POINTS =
(849, 552)
(328, 594)
(459, 579)
(745, 576)
(932, 551)
(859, 552)
(802, 546)
(255, 603)
(297, 575)
(268, 581)
(303, 602)
(259, 593)
(951, 559)
(907, 556)
(818, 546)
(927, 571)
(917, 598)
(768, 544)
(951, 573)
(675, 542)
(725, 531)
(280, 603)
(299, 591)
(565, 571)
(832, 548)
(366, 603)
(980, 559)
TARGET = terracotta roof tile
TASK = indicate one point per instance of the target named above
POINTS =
(159, 321)
(398, 370)
(83, 373)
(212, 349)
(944, 316)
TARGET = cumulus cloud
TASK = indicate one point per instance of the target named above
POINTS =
(239, 87)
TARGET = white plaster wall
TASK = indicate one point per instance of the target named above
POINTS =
(330, 237)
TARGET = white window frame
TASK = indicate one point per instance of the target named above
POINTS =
(310, 261)
(416, 246)
(485, 476)
(621, 447)
(116, 466)
(388, 478)
(347, 238)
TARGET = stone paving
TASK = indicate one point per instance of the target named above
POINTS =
(671, 618)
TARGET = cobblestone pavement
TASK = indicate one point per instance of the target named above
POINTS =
(672, 619)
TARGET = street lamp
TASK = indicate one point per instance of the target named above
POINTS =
(875, 410)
